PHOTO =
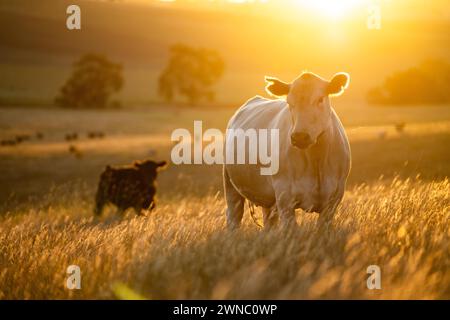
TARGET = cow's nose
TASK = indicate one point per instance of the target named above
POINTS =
(301, 140)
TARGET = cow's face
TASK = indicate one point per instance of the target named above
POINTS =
(309, 104)
(149, 168)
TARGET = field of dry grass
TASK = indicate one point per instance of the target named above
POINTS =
(395, 214)
(184, 251)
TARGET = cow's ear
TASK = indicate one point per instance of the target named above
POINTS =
(338, 83)
(137, 163)
(277, 87)
(161, 164)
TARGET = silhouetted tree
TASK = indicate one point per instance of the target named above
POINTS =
(93, 80)
(190, 72)
(429, 83)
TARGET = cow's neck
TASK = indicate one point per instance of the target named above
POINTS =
(322, 161)
(320, 152)
(316, 159)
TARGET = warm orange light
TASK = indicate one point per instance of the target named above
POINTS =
(333, 9)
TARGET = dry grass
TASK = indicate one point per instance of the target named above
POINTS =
(183, 249)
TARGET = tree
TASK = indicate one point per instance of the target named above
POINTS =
(427, 83)
(93, 80)
(190, 72)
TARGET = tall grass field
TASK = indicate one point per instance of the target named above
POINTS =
(395, 214)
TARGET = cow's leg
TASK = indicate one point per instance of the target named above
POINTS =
(140, 211)
(270, 217)
(285, 207)
(326, 216)
(99, 201)
(99, 204)
(235, 202)
(147, 207)
(120, 211)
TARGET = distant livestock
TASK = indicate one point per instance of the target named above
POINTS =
(22, 137)
(75, 151)
(95, 135)
(8, 142)
(314, 153)
(71, 136)
(400, 127)
(130, 186)
(18, 139)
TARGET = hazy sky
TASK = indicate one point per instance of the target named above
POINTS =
(434, 9)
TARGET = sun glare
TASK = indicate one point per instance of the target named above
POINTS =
(333, 9)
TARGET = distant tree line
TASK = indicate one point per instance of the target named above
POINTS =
(428, 83)
(190, 73)
(93, 80)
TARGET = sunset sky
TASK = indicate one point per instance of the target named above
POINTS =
(435, 9)
(255, 38)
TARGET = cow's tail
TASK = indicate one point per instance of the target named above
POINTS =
(251, 208)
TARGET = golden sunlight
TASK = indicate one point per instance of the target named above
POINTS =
(333, 9)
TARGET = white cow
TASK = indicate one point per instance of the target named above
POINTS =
(314, 153)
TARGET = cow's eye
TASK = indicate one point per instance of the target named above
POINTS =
(320, 101)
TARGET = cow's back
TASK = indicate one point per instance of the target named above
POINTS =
(126, 187)
(256, 113)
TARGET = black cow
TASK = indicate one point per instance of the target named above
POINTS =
(130, 186)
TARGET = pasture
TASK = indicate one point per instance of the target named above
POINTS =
(395, 213)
